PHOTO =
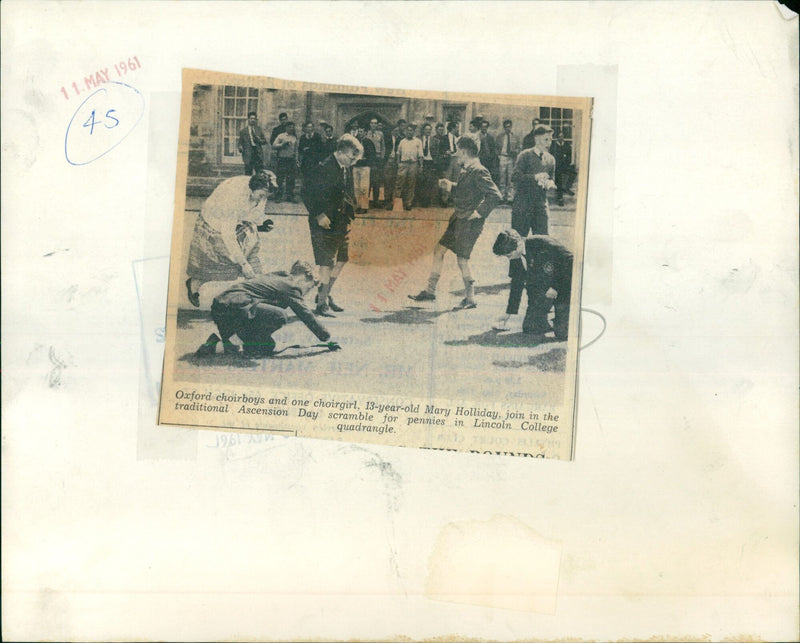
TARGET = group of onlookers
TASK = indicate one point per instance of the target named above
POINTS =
(401, 162)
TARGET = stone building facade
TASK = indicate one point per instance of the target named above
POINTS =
(220, 111)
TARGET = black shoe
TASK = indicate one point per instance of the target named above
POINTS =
(409, 207)
(209, 347)
(465, 304)
(194, 297)
(323, 311)
(570, 192)
(423, 295)
(333, 306)
(266, 226)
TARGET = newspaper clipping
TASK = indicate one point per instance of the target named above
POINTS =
(377, 265)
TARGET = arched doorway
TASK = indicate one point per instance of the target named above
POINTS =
(386, 110)
(363, 119)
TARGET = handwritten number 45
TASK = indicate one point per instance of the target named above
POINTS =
(91, 121)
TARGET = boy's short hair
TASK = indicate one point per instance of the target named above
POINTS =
(287, 123)
(506, 243)
(452, 126)
(259, 181)
(507, 122)
(283, 115)
(542, 129)
(302, 268)
(308, 123)
(249, 114)
(468, 145)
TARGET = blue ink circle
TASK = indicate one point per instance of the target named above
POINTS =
(102, 90)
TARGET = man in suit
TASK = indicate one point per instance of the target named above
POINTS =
(488, 150)
(547, 278)
(328, 142)
(254, 309)
(376, 164)
(507, 144)
(309, 153)
(474, 197)
(331, 205)
(251, 142)
(562, 153)
(439, 148)
(392, 140)
(427, 183)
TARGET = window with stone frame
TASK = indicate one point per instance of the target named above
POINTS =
(560, 119)
(236, 103)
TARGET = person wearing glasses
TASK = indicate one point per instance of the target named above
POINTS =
(256, 308)
(331, 206)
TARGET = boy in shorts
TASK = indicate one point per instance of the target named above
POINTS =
(474, 197)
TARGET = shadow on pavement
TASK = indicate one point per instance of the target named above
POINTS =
(408, 315)
(553, 361)
(187, 318)
(501, 338)
(241, 361)
(494, 289)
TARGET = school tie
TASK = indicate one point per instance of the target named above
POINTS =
(252, 142)
(425, 147)
(508, 143)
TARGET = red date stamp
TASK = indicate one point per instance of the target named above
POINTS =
(100, 76)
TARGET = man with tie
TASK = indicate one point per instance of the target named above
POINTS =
(533, 176)
(507, 147)
(331, 205)
(309, 153)
(375, 135)
(392, 140)
(488, 150)
(428, 177)
(251, 140)
(328, 142)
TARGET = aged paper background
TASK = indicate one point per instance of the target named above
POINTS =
(677, 518)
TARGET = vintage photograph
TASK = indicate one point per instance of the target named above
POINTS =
(374, 265)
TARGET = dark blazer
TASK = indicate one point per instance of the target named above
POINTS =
(488, 152)
(275, 289)
(475, 191)
(244, 141)
(439, 149)
(327, 147)
(309, 151)
(331, 195)
(549, 266)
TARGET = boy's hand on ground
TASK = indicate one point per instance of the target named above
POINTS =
(247, 271)
(334, 346)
